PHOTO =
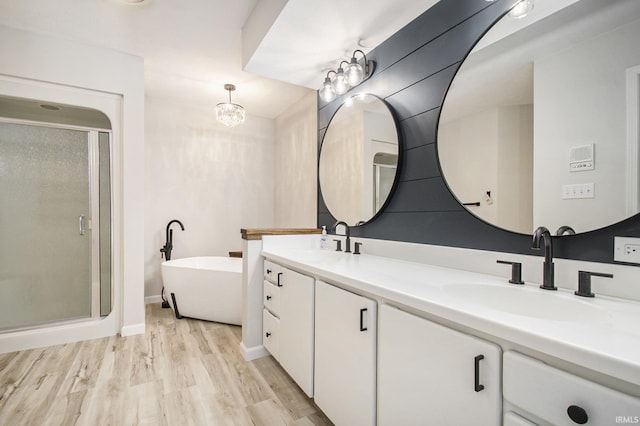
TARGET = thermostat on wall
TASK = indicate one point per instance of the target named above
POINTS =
(581, 158)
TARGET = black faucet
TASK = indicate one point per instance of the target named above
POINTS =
(543, 233)
(565, 230)
(168, 244)
(347, 248)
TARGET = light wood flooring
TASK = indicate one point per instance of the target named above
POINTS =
(180, 372)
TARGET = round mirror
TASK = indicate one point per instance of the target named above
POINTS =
(540, 125)
(358, 159)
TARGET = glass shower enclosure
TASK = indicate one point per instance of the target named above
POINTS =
(55, 224)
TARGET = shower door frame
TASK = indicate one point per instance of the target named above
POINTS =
(93, 174)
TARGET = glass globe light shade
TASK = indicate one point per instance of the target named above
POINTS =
(327, 92)
(354, 72)
(340, 83)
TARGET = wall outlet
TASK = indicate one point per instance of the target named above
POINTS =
(626, 249)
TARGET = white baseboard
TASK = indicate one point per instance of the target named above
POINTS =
(254, 352)
(130, 330)
(153, 299)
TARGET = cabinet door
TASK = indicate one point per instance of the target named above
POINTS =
(345, 361)
(429, 374)
(296, 327)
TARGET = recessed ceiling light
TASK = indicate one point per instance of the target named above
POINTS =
(49, 107)
(135, 1)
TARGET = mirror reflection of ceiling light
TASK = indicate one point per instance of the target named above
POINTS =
(521, 9)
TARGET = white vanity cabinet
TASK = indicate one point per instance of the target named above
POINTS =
(345, 356)
(429, 374)
(548, 396)
(288, 319)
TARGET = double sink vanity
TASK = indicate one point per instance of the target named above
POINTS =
(379, 340)
(490, 126)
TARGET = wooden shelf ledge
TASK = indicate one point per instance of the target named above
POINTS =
(256, 234)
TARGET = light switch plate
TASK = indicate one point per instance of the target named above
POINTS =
(580, 190)
(627, 249)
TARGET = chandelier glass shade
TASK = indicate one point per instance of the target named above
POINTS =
(228, 113)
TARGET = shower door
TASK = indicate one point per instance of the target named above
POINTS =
(49, 256)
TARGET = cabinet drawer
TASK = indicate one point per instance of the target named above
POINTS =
(271, 297)
(272, 272)
(270, 333)
(554, 395)
(511, 419)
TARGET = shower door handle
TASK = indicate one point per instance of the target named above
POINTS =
(82, 225)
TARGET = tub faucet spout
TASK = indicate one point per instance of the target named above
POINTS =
(542, 233)
(168, 245)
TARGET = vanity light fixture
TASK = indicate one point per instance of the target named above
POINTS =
(228, 113)
(346, 78)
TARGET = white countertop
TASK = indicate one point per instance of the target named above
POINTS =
(601, 333)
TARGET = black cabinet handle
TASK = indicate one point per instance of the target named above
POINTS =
(362, 327)
(268, 297)
(279, 273)
(267, 334)
(268, 271)
(477, 386)
(577, 414)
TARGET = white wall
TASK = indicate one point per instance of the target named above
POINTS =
(214, 179)
(57, 70)
(514, 196)
(468, 153)
(491, 151)
(566, 115)
(341, 171)
(296, 165)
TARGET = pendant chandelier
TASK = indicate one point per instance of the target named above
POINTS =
(228, 113)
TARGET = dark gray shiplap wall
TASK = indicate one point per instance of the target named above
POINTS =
(414, 70)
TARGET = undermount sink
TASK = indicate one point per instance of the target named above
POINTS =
(528, 301)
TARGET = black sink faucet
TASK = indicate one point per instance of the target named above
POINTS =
(565, 230)
(543, 233)
(168, 244)
(347, 248)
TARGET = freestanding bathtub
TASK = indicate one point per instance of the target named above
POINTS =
(208, 288)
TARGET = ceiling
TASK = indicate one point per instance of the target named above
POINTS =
(191, 48)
